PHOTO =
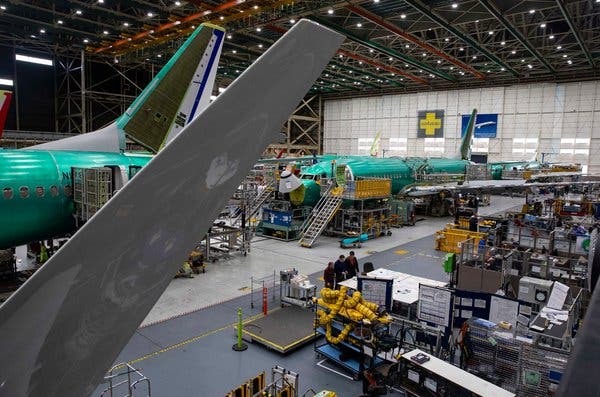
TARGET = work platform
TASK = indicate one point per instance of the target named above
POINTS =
(283, 330)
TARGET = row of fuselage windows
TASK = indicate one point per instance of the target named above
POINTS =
(24, 192)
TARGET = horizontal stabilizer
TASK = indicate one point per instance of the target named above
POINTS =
(66, 325)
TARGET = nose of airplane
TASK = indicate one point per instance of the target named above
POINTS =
(288, 182)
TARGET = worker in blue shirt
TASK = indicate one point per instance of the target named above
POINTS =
(340, 270)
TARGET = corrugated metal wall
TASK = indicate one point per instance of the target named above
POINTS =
(565, 118)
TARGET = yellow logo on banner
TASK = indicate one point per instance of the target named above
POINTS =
(430, 123)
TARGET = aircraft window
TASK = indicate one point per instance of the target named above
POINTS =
(306, 176)
(7, 193)
(39, 191)
(24, 192)
(53, 191)
(67, 190)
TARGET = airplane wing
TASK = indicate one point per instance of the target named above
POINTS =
(66, 325)
(489, 186)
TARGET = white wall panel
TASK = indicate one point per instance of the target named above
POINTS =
(548, 111)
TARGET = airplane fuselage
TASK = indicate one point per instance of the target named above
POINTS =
(401, 171)
(36, 199)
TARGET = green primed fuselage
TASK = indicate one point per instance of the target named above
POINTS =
(401, 171)
(36, 187)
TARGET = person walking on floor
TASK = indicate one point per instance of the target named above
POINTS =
(329, 276)
(340, 270)
(351, 265)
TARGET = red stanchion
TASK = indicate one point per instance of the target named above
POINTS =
(264, 302)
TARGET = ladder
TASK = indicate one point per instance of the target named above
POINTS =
(255, 204)
(327, 206)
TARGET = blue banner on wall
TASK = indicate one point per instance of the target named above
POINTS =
(485, 125)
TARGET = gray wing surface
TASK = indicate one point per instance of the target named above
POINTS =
(66, 325)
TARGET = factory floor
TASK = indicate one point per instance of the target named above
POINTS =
(184, 345)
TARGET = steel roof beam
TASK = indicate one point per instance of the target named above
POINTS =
(428, 12)
(376, 19)
(383, 49)
(575, 32)
(516, 33)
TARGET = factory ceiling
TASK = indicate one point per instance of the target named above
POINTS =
(391, 45)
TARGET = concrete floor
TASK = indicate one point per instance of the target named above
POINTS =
(184, 345)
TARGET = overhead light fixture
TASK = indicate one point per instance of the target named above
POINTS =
(6, 82)
(489, 71)
(78, 12)
(60, 22)
(150, 14)
(529, 66)
(3, 8)
(86, 41)
(502, 69)
(407, 46)
(532, 11)
(522, 60)
(390, 59)
(39, 61)
(461, 49)
(375, 1)
(229, 36)
(474, 56)
(255, 7)
(350, 71)
(100, 1)
(565, 55)
(403, 16)
(292, 21)
(330, 11)
(260, 46)
(569, 61)
(543, 25)
(513, 52)
(360, 62)
(558, 47)
(177, 23)
(221, 17)
(502, 42)
(42, 31)
(126, 24)
(454, 5)
(451, 67)
(258, 29)
(439, 61)
(446, 39)
(477, 21)
(491, 32)
(159, 55)
(177, 3)
(377, 68)
(234, 51)
(551, 37)
(105, 32)
(359, 25)
(424, 54)
(371, 50)
(341, 56)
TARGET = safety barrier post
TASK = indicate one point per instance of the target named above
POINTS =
(239, 346)
(264, 302)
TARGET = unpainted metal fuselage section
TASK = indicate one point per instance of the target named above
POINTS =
(37, 190)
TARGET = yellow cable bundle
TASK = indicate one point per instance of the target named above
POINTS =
(337, 339)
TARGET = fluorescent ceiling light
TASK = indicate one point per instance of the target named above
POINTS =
(40, 61)
(6, 82)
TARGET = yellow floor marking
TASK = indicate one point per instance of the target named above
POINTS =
(401, 252)
(244, 289)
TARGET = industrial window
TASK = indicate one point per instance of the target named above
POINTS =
(481, 145)
(67, 190)
(7, 193)
(364, 145)
(39, 191)
(24, 192)
(524, 145)
(580, 146)
(398, 146)
(434, 145)
(53, 191)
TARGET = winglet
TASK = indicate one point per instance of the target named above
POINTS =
(67, 324)
(467, 139)
(5, 97)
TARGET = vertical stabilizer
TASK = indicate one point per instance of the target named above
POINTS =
(178, 93)
(467, 139)
(5, 97)
(376, 144)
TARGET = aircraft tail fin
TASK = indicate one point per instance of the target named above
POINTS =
(376, 145)
(87, 301)
(5, 97)
(174, 97)
(467, 139)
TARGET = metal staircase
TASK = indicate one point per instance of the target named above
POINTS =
(259, 200)
(327, 206)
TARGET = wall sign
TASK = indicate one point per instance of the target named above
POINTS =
(430, 124)
(486, 125)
